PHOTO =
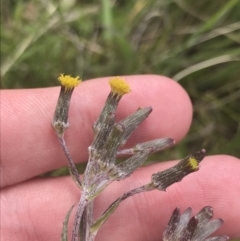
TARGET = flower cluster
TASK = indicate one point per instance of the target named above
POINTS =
(102, 167)
(182, 227)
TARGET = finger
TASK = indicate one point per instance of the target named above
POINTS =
(30, 146)
(43, 203)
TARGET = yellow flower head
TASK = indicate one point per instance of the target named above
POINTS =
(119, 86)
(193, 163)
(69, 82)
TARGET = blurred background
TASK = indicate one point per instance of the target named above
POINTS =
(197, 43)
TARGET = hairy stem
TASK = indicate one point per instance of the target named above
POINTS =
(78, 217)
(71, 165)
(86, 222)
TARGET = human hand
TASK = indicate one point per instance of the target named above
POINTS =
(34, 208)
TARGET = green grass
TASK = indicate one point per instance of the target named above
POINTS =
(198, 44)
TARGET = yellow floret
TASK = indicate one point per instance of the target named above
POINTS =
(69, 82)
(119, 86)
(193, 163)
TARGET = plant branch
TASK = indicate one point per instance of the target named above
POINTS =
(71, 165)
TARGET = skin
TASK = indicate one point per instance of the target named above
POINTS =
(33, 208)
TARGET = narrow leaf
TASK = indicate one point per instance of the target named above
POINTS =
(64, 235)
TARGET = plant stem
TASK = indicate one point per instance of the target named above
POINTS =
(78, 217)
(71, 165)
(86, 222)
(100, 221)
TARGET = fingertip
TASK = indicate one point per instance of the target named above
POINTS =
(172, 108)
(31, 114)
